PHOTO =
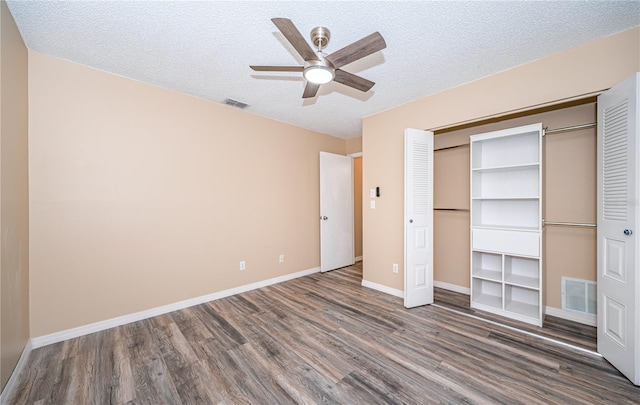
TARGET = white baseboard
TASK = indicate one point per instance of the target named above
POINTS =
(452, 287)
(586, 319)
(358, 258)
(125, 319)
(13, 379)
(383, 288)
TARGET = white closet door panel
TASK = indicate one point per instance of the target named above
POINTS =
(618, 224)
(418, 260)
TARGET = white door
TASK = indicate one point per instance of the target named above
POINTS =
(418, 218)
(336, 211)
(618, 243)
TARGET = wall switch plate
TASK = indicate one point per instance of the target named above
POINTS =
(372, 193)
(281, 259)
(395, 267)
(373, 204)
(243, 265)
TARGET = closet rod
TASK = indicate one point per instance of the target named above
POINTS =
(452, 209)
(464, 145)
(546, 131)
(571, 128)
(568, 224)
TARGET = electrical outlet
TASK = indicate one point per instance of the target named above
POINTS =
(281, 259)
(243, 265)
(395, 267)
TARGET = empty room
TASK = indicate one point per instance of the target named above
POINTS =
(306, 202)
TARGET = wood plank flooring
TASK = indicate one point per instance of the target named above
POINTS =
(320, 339)
(573, 333)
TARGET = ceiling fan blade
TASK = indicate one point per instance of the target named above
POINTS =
(310, 90)
(277, 68)
(357, 50)
(351, 80)
(295, 38)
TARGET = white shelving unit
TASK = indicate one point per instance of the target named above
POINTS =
(506, 223)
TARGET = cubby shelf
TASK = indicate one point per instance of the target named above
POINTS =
(488, 274)
(524, 309)
(489, 300)
(506, 223)
(523, 281)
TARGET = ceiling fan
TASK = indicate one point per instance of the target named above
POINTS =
(320, 69)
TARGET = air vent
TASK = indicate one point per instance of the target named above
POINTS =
(579, 295)
(235, 103)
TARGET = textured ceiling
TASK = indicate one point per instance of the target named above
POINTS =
(205, 48)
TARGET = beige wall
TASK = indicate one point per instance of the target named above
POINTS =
(451, 228)
(569, 196)
(14, 196)
(357, 205)
(583, 70)
(354, 145)
(142, 197)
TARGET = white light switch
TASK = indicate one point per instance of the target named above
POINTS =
(372, 193)
(373, 204)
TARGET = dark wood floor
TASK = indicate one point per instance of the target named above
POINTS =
(572, 333)
(317, 339)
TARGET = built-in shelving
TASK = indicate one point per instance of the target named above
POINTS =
(506, 223)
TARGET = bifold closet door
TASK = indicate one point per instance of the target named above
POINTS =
(418, 218)
(618, 227)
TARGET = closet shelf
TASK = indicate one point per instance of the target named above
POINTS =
(523, 281)
(486, 274)
(513, 198)
(509, 228)
(524, 309)
(489, 300)
(510, 168)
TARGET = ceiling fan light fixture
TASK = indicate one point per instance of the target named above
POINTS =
(319, 74)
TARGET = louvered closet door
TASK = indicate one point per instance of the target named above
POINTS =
(418, 218)
(618, 267)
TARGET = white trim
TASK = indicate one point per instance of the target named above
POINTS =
(452, 287)
(358, 258)
(355, 155)
(13, 379)
(586, 319)
(383, 288)
(125, 319)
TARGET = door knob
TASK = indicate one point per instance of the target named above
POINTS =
(325, 218)
(411, 221)
(628, 232)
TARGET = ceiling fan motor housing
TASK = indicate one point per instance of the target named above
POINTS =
(320, 37)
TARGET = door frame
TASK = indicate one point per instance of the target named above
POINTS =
(353, 156)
